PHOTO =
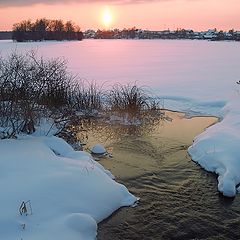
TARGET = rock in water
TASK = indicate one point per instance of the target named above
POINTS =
(98, 149)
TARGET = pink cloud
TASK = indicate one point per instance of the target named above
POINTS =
(32, 2)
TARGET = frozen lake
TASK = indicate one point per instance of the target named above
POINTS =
(194, 76)
(198, 77)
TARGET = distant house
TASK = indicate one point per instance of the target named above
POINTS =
(210, 34)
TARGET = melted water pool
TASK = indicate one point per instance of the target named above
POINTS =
(178, 199)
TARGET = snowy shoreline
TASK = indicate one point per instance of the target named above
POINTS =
(217, 149)
(69, 192)
(47, 169)
(30, 170)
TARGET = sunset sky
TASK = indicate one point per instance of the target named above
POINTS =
(145, 14)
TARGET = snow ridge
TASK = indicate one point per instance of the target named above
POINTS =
(69, 192)
(218, 149)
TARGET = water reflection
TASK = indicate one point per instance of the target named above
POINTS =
(107, 130)
(178, 200)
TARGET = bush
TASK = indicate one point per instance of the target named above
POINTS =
(130, 99)
(31, 88)
(86, 97)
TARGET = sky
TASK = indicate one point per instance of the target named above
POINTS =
(145, 14)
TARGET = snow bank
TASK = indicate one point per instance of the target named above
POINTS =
(69, 192)
(218, 149)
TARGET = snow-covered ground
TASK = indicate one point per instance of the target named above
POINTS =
(194, 76)
(198, 77)
(69, 192)
(218, 149)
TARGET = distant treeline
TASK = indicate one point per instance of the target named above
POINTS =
(45, 29)
(116, 34)
(5, 35)
(134, 33)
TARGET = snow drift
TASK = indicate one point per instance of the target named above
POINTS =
(69, 192)
(218, 149)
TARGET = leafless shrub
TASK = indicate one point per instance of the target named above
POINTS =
(130, 99)
(31, 88)
(87, 97)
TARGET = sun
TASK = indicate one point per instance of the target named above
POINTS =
(107, 17)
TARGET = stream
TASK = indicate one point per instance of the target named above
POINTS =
(178, 199)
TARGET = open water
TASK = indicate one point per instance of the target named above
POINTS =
(178, 199)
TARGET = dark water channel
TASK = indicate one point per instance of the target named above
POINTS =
(178, 200)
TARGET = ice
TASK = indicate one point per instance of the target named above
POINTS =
(69, 193)
(185, 73)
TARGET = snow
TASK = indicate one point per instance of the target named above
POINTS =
(98, 149)
(218, 149)
(204, 71)
(86, 157)
(46, 127)
(197, 77)
(69, 193)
